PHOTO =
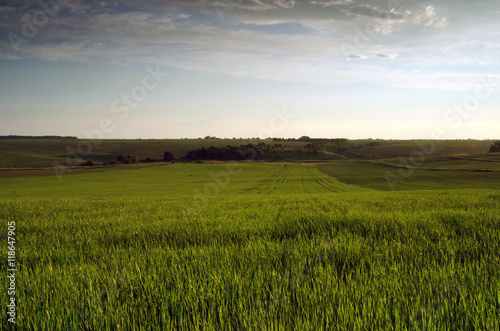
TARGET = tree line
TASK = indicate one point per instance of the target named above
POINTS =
(236, 153)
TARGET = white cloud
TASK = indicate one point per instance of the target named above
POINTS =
(328, 3)
(427, 17)
(370, 11)
(383, 28)
(254, 5)
(357, 56)
(387, 56)
(285, 3)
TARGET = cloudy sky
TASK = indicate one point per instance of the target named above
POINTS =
(249, 68)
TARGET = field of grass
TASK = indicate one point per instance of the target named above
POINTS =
(465, 162)
(374, 175)
(252, 246)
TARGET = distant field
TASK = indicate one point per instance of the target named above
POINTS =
(396, 148)
(42, 152)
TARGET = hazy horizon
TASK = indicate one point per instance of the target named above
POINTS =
(251, 68)
(244, 138)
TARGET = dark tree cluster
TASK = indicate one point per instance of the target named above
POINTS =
(168, 156)
(305, 138)
(227, 153)
(127, 159)
(495, 148)
(373, 144)
(88, 163)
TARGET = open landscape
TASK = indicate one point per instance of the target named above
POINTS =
(250, 165)
(258, 244)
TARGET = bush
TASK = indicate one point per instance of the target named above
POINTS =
(168, 156)
(495, 148)
(127, 159)
(149, 160)
(89, 163)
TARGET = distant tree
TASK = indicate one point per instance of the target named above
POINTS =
(127, 159)
(168, 156)
(133, 158)
(495, 148)
(122, 159)
(89, 163)
(305, 138)
(149, 160)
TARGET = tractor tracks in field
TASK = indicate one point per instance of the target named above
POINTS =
(300, 179)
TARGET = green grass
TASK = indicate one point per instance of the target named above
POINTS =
(375, 175)
(277, 246)
(180, 179)
(465, 162)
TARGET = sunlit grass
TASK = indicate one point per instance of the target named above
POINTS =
(278, 248)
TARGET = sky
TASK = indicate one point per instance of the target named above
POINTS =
(390, 69)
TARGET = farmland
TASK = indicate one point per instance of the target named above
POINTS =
(304, 245)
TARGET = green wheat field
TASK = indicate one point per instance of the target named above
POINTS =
(324, 245)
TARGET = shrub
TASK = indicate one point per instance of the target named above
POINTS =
(89, 163)
(168, 156)
(127, 159)
(495, 148)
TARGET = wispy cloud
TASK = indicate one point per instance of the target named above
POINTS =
(356, 56)
(428, 17)
(328, 3)
(387, 56)
(370, 11)
(285, 3)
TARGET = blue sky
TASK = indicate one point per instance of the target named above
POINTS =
(338, 68)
